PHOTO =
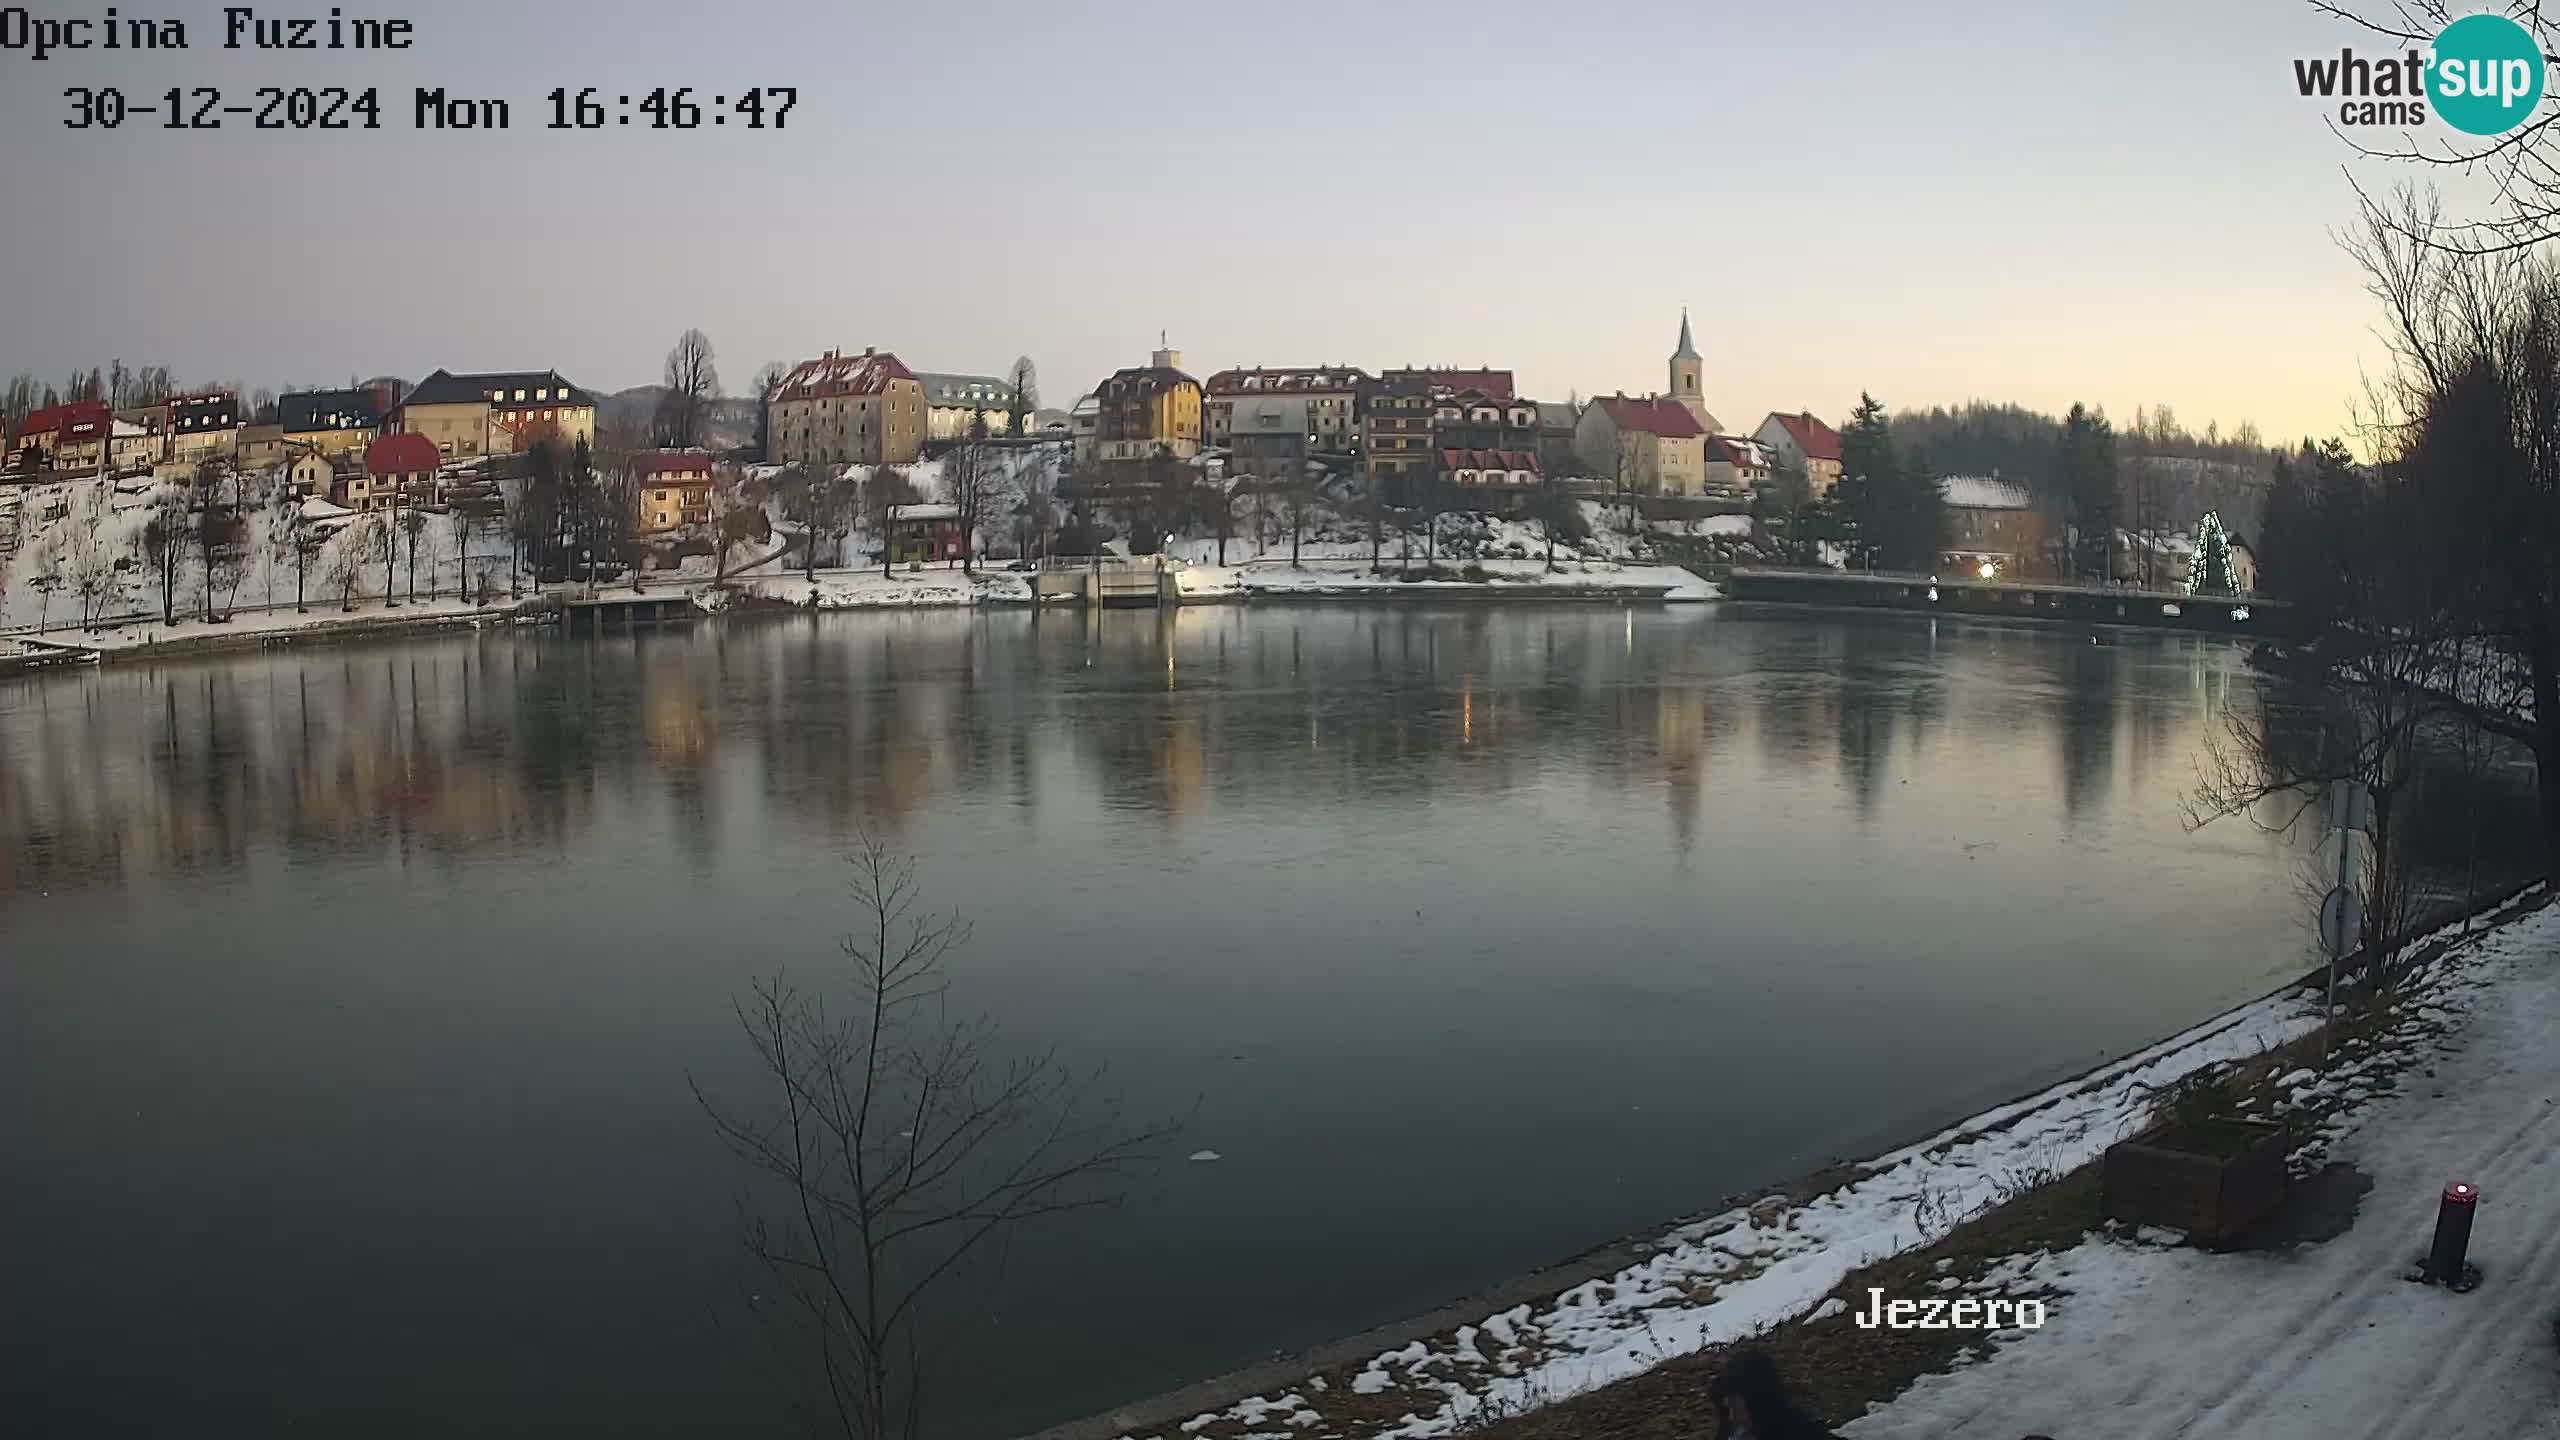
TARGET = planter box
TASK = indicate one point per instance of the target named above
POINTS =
(2210, 1180)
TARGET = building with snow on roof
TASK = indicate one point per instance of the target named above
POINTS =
(1994, 522)
(841, 409)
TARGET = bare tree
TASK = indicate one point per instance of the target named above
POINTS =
(381, 544)
(692, 383)
(1022, 384)
(975, 482)
(1298, 502)
(413, 524)
(460, 519)
(767, 380)
(44, 575)
(899, 1150)
(348, 556)
(212, 522)
(164, 539)
(91, 559)
(2520, 167)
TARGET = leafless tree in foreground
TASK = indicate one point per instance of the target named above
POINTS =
(2522, 166)
(692, 383)
(901, 1152)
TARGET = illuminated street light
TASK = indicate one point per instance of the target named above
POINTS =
(1986, 570)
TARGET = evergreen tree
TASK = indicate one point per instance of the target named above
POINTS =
(1866, 479)
(2091, 491)
(1920, 515)
(2210, 572)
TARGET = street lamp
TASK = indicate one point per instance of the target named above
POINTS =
(1986, 570)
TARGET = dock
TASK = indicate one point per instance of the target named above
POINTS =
(2017, 600)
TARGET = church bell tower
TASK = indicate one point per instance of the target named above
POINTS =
(1687, 383)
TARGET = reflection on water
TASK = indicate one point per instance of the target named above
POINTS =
(351, 995)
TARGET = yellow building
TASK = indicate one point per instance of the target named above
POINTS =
(1148, 410)
(1650, 446)
(840, 409)
(498, 413)
(675, 489)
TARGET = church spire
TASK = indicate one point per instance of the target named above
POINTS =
(1687, 350)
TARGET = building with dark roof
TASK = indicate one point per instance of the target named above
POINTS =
(329, 422)
(1148, 410)
(1321, 401)
(1494, 383)
(500, 412)
(954, 404)
(841, 409)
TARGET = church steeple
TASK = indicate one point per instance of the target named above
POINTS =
(1688, 384)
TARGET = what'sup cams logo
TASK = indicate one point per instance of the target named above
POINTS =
(2482, 76)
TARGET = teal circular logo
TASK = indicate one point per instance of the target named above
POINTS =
(2485, 75)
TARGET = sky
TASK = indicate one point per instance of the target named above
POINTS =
(2124, 204)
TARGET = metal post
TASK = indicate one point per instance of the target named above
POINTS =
(2448, 1256)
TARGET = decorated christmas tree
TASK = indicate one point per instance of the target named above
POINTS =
(2210, 572)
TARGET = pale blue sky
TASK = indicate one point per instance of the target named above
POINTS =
(2040, 202)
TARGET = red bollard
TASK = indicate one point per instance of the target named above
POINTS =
(2448, 1257)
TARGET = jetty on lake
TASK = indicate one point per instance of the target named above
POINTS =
(2016, 600)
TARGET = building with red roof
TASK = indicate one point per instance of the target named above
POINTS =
(1803, 442)
(1650, 445)
(396, 465)
(840, 409)
(63, 437)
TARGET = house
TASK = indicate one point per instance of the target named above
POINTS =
(1495, 383)
(202, 424)
(1148, 410)
(1805, 444)
(1650, 446)
(132, 447)
(1480, 440)
(1321, 402)
(72, 437)
(1395, 428)
(954, 404)
(497, 413)
(2244, 567)
(675, 489)
(1556, 422)
(924, 532)
(330, 422)
(312, 474)
(840, 409)
(1084, 426)
(1992, 523)
(260, 446)
(395, 466)
(1736, 466)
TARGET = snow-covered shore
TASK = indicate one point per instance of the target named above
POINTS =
(2330, 1339)
(1737, 1274)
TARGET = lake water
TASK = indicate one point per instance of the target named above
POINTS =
(348, 997)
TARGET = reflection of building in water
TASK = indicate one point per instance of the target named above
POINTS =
(1679, 742)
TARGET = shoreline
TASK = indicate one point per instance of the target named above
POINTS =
(1234, 1402)
(65, 647)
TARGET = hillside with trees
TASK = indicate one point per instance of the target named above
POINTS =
(2168, 474)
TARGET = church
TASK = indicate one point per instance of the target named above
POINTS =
(1669, 443)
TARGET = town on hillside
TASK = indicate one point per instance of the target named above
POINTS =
(121, 493)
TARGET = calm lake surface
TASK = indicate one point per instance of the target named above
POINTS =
(348, 998)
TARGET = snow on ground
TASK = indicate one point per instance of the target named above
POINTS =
(2329, 1340)
(1735, 1274)
(870, 590)
(133, 635)
(1281, 580)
